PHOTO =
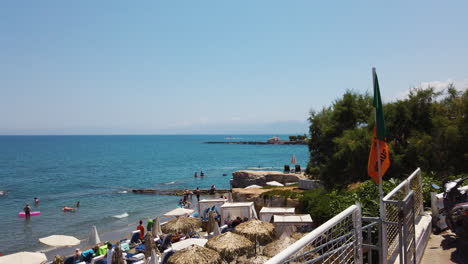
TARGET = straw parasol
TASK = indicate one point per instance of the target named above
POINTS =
(24, 258)
(179, 212)
(182, 225)
(93, 238)
(156, 230)
(211, 222)
(60, 241)
(195, 255)
(149, 245)
(257, 259)
(230, 245)
(117, 256)
(58, 260)
(256, 230)
(277, 246)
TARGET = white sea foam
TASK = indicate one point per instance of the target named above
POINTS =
(120, 215)
(169, 183)
(2, 193)
(122, 191)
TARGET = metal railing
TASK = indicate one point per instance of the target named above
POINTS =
(392, 229)
(339, 240)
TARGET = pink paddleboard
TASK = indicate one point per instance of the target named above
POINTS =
(22, 214)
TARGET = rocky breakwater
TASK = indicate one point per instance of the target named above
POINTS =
(244, 178)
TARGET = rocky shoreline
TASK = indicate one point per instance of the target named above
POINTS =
(257, 142)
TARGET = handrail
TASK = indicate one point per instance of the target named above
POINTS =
(402, 184)
(301, 243)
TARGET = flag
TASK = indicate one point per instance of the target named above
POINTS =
(378, 136)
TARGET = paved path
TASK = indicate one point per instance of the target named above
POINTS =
(445, 248)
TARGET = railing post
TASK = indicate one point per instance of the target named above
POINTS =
(357, 222)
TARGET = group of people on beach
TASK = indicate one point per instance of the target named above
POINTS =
(188, 194)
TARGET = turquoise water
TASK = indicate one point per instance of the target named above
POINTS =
(97, 170)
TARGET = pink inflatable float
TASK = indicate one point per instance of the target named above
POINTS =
(22, 214)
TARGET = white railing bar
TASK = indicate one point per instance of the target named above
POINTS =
(301, 243)
(402, 184)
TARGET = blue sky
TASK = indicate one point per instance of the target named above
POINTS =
(131, 67)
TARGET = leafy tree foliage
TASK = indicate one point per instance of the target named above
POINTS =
(428, 129)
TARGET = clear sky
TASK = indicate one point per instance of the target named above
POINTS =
(113, 67)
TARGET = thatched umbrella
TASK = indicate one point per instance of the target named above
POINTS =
(257, 231)
(182, 225)
(257, 259)
(117, 257)
(195, 255)
(230, 245)
(211, 222)
(156, 230)
(149, 245)
(277, 246)
(58, 260)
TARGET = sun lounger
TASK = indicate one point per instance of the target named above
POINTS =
(166, 255)
(134, 257)
(298, 169)
(96, 259)
(135, 240)
(287, 169)
(165, 243)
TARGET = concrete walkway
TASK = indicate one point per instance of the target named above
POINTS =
(445, 248)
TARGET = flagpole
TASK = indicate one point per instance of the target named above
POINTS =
(383, 238)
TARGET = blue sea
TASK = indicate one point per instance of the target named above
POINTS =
(99, 170)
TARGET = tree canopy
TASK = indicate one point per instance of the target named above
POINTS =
(427, 129)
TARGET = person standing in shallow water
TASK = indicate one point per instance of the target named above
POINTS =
(27, 210)
(36, 201)
(197, 193)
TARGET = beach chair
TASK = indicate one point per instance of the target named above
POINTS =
(96, 259)
(298, 168)
(165, 243)
(224, 229)
(166, 255)
(132, 258)
(135, 240)
(287, 169)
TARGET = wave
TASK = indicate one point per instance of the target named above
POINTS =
(169, 183)
(121, 215)
(122, 191)
(2, 193)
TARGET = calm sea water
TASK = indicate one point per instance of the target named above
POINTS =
(97, 170)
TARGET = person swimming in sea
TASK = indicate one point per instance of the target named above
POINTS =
(68, 209)
(195, 175)
(36, 200)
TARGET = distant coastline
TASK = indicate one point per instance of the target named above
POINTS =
(283, 142)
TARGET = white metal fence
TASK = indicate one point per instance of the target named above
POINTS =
(339, 240)
(392, 231)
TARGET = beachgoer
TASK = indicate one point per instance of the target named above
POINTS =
(197, 193)
(236, 222)
(245, 219)
(195, 175)
(181, 203)
(142, 230)
(68, 209)
(213, 189)
(36, 200)
(185, 195)
(27, 210)
(87, 255)
(78, 204)
(77, 256)
(149, 226)
(108, 256)
(202, 174)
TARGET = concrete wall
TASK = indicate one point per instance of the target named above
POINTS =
(309, 184)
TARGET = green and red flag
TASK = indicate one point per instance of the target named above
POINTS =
(379, 149)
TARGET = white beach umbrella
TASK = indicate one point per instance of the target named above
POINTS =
(24, 258)
(274, 183)
(93, 238)
(154, 259)
(253, 186)
(156, 230)
(60, 241)
(216, 230)
(179, 212)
